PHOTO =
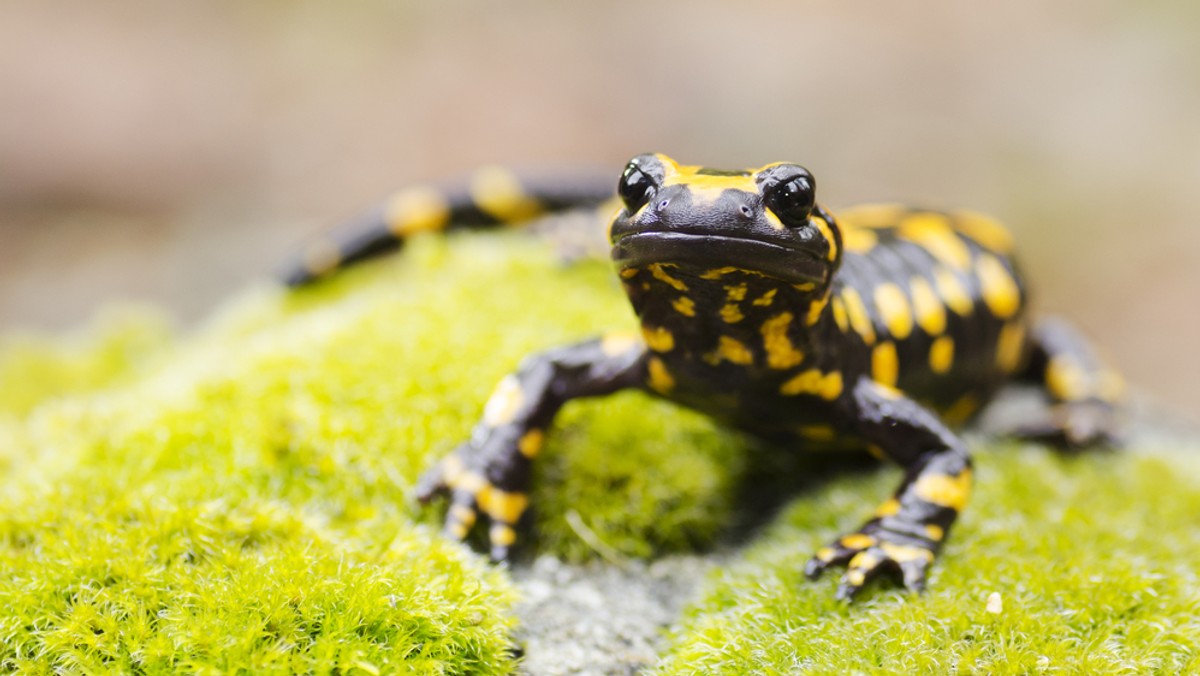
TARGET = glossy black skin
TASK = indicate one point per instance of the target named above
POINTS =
(744, 290)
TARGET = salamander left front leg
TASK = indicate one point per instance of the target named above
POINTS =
(907, 530)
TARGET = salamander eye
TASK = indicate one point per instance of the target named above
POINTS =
(790, 192)
(635, 187)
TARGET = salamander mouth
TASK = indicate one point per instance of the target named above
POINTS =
(790, 264)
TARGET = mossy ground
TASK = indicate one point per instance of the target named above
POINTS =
(241, 498)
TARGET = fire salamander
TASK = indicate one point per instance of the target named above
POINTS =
(877, 328)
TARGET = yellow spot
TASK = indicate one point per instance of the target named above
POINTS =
(929, 310)
(933, 233)
(856, 576)
(839, 314)
(736, 292)
(985, 230)
(961, 410)
(825, 385)
(825, 554)
(321, 257)
(629, 273)
(766, 299)
(872, 216)
(684, 306)
(661, 275)
(953, 292)
(817, 432)
(863, 561)
(505, 402)
(999, 289)
(733, 350)
(707, 185)
(815, 309)
(469, 482)
(885, 365)
(935, 532)
(531, 442)
(941, 354)
(1066, 380)
(826, 232)
(457, 530)
(905, 553)
(857, 541)
(944, 490)
(1010, 346)
(618, 342)
(501, 505)
(731, 313)
(498, 193)
(658, 338)
(502, 534)
(717, 273)
(416, 209)
(888, 508)
(462, 515)
(660, 379)
(859, 240)
(857, 312)
(781, 353)
(804, 287)
(893, 308)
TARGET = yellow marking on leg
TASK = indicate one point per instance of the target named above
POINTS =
(463, 515)
(684, 306)
(825, 554)
(731, 313)
(736, 292)
(452, 470)
(929, 310)
(781, 353)
(839, 314)
(321, 257)
(531, 443)
(618, 343)
(660, 378)
(855, 576)
(658, 338)
(944, 490)
(1010, 346)
(985, 230)
(935, 532)
(825, 385)
(416, 209)
(661, 275)
(961, 410)
(885, 364)
(999, 289)
(888, 508)
(863, 561)
(893, 308)
(941, 355)
(498, 193)
(856, 310)
(502, 534)
(827, 232)
(857, 541)
(952, 291)
(504, 404)
(731, 350)
(819, 432)
(766, 299)
(933, 233)
(457, 530)
(1066, 380)
(905, 553)
(815, 309)
(470, 482)
(502, 505)
(859, 240)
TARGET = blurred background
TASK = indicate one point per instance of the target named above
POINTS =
(174, 152)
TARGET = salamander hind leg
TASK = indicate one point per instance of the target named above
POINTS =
(1084, 392)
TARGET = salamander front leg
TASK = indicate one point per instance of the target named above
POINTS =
(490, 472)
(907, 530)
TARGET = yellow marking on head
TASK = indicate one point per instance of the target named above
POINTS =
(321, 257)
(531, 442)
(1066, 380)
(941, 354)
(781, 353)
(893, 308)
(658, 338)
(416, 209)
(859, 240)
(825, 385)
(731, 313)
(732, 350)
(888, 508)
(857, 541)
(766, 299)
(504, 404)
(934, 234)
(935, 532)
(684, 306)
(885, 365)
(498, 193)
(999, 289)
(856, 310)
(1010, 346)
(736, 292)
(815, 308)
(618, 342)
(944, 490)
(927, 307)
(985, 230)
(629, 273)
(659, 377)
(872, 216)
(773, 220)
(502, 505)
(953, 293)
(905, 553)
(961, 410)
(709, 184)
(818, 432)
(502, 534)
(661, 275)
(826, 231)
(839, 314)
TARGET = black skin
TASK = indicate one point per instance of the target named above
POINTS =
(759, 309)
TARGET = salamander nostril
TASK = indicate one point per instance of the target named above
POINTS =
(663, 204)
(746, 211)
